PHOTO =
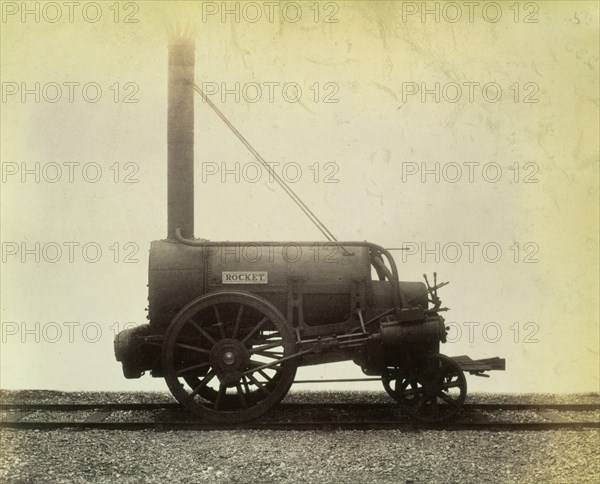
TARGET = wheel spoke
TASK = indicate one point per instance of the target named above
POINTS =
(415, 390)
(269, 354)
(246, 387)
(258, 384)
(448, 399)
(190, 368)
(238, 387)
(266, 340)
(217, 315)
(264, 375)
(201, 331)
(274, 365)
(452, 384)
(265, 347)
(219, 322)
(209, 376)
(238, 319)
(255, 329)
(192, 348)
(220, 395)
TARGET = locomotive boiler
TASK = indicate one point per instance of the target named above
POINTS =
(230, 322)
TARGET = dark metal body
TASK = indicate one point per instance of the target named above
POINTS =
(322, 290)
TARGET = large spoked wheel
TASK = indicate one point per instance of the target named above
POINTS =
(221, 355)
(430, 393)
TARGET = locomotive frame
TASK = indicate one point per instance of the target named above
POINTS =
(228, 333)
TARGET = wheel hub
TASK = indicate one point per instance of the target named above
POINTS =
(229, 357)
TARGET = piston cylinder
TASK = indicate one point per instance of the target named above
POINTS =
(431, 330)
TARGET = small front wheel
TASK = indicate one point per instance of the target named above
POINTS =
(433, 391)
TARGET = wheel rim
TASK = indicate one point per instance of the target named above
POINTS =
(389, 381)
(431, 394)
(214, 355)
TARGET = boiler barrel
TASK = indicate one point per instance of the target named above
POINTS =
(326, 275)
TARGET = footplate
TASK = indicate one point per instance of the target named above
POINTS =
(477, 366)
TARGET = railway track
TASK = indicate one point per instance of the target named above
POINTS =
(294, 416)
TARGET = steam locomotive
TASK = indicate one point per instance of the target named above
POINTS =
(230, 322)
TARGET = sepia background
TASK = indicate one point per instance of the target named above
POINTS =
(526, 290)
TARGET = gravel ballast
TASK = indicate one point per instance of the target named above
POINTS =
(263, 456)
(386, 456)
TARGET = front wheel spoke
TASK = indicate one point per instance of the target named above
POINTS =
(265, 347)
(246, 387)
(220, 395)
(448, 399)
(263, 338)
(209, 376)
(238, 387)
(403, 385)
(190, 368)
(238, 319)
(274, 365)
(412, 392)
(258, 384)
(217, 315)
(255, 329)
(264, 375)
(219, 322)
(192, 348)
(269, 354)
(197, 327)
(453, 384)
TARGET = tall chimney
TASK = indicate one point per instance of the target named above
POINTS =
(180, 137)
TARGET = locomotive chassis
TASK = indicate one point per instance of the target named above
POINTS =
(228, 332)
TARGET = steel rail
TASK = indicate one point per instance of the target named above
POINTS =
(303, 425)
(70, 407)
(99, 412)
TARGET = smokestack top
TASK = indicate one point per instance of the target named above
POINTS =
(181, 34)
